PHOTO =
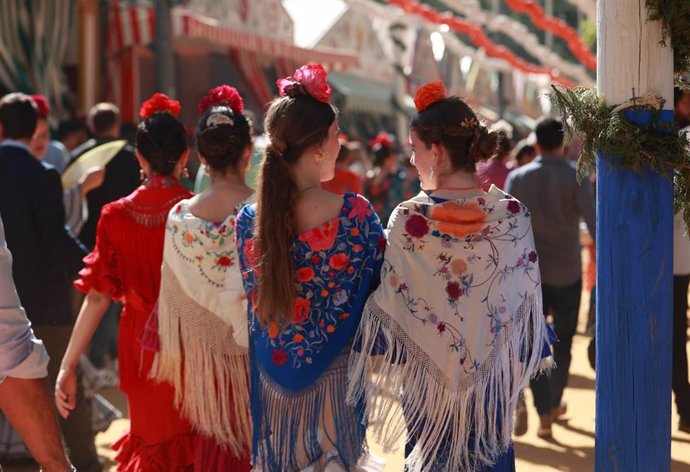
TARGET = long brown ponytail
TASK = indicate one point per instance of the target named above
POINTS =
(293, 125)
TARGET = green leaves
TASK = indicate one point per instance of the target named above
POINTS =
(658, 146)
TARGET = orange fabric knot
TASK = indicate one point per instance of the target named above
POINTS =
(429, 94)
(459, 220)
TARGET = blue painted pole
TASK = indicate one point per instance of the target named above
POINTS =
(634, 317)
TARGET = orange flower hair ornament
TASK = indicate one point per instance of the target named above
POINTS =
(159, 103)
(222, 95)
(429, 94)
(308, 80)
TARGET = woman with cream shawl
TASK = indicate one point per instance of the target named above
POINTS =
(202, 314)
(457, 318)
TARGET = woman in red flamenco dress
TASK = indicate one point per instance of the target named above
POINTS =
(126, 265)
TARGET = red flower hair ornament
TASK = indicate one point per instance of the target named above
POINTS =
(159, 103)
(308, 80)
(382, 140)
(222, 95)
(429, 94)
(42, 105)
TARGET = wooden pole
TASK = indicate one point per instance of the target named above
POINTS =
(634, 259)
(89, 40)
(165, 59)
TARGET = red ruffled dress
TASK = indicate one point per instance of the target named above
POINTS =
(126, 263)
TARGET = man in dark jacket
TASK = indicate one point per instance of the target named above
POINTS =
(122, 174)
(46, 255)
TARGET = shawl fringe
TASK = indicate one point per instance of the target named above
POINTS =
(196, 345)
(294, 429)
(468, 417)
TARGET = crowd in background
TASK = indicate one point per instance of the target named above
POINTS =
(533, 168)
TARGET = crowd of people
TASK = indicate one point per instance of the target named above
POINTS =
(268, 324)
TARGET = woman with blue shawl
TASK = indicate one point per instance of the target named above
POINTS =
(309, 260)
(457, 318)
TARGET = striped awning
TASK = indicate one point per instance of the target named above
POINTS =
(33, 44)
(135, 26)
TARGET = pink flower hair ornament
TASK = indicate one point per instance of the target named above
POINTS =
(310, 79)
(222, 95)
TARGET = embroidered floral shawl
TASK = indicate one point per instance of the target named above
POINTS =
(299, 376)
(459, 311)
(202, 327)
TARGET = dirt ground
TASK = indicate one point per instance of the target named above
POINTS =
(572, 449)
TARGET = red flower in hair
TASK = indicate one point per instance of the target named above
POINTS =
(42, 104)
(429, 94)
(159, 103)
(222, 95)
(383, 140)
(311, 78)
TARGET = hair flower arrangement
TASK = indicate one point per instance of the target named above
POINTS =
(159, 103)
(429, 94)
(308, 80)
(222, 95)
(382, 140)
(42, 105)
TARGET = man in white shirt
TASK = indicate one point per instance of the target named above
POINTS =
(24, 395)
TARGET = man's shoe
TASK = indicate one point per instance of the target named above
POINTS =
(544, 430)
(558, 411)
(684, 425)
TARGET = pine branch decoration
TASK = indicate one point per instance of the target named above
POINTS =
(659, 147)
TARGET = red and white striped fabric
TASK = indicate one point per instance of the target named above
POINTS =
(135, 26)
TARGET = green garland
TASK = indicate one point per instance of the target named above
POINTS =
(659, 147)
(675, 19)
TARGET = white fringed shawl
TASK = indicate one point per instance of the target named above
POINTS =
(202, 321)
(459, 313)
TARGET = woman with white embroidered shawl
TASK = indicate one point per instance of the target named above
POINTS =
(457, 317)
(202, 314)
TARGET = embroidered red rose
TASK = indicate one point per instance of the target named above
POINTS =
(360, 208)
(305, 274)
(514, 206)
(417, 226)
(249, 252)
(279, 357)
(224, 261)
(322, 237)
(339, 261)
(441, 327)
(453, 290)
(532, 256)
(382, 243)
(159, 103)
(302, 310)
(429, 94)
